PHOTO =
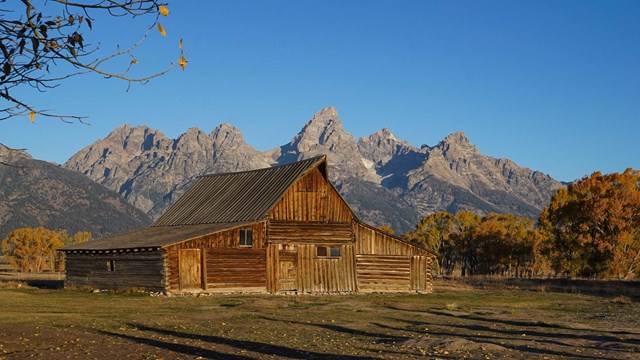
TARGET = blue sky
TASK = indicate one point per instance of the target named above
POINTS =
(552, 85)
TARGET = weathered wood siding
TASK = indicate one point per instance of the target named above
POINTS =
(312, 198)
(297, 268)
(372, 242)
(315, 233)
(421, 273)
(142, 269)
(387, 264)
(236, 270)
(223, 260)
(326, 275)
(383, 273)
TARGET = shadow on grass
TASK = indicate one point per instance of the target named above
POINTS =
(253, 346)
(519, 323)
(538, 324)
(380, 338)
(502, 337)
(178, 348)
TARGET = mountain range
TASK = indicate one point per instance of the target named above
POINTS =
(385, 180)
(37, 193)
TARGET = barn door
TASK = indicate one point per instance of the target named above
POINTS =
(419, 273)
(288, 268)
(190, 269)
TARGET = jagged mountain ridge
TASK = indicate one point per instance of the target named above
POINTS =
(36, 193)
(385, 180)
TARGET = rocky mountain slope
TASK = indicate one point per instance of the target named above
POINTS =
(385, 180)
(35, 193)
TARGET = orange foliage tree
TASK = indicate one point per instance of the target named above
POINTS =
(34, 249)
(594, 226)
(495, 244)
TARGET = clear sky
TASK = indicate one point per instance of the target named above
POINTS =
(552, 85)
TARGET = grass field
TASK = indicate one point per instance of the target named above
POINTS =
(457, 321)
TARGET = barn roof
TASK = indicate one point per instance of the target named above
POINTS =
(153, 237)
(238, 196)
(214, 203)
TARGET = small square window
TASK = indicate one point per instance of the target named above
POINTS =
(111, 265)
(321, 251)
(246, 238)
(335, 251)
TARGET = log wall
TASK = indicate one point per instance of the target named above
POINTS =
(223, 260)
(130, 270)
(387, 264)
(312, 198)
(236, 270)
(383, 273)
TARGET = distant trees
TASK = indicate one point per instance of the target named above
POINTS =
(593, 226)
(34, 249)
(493, 244)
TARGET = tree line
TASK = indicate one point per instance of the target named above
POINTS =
(34, 249)
(591, 228)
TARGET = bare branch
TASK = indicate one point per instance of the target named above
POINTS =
(35, 43)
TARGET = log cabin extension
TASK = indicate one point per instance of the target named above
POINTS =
(283, 229)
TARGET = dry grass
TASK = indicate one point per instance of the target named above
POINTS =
(509, 324)
(13, 285)
(621, 300)
(609, 288)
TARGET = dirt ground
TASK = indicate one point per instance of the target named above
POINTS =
(457, 321)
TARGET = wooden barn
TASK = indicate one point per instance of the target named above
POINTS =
(283, 229)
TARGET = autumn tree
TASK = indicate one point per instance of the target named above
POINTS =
(496, 244)
(433, 232)
(34, 249)
(506, 245)
(463, 240)
(45, 42)
(594, 226)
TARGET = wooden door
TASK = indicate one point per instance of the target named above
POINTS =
(419, 270)
(190, 269)
(288, 269)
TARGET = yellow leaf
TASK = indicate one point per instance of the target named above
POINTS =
(163, 10)
(134, 61)
(161, 30)
(180, 44)
(182, 62)
(32, 116)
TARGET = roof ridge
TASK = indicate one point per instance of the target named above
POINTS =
(311, 159)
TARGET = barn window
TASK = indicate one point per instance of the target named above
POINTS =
(328, 251)
(334, 251)
(321, 251)
(111, 265)
(246, 238)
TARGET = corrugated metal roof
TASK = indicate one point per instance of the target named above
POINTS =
(153, 237)
(233, 197)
